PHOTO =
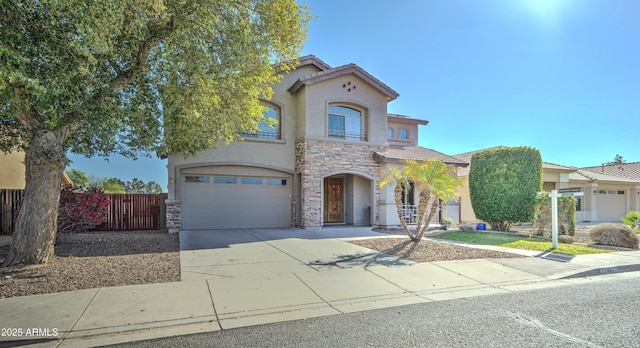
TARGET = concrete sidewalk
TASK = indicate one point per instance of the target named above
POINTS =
(247, 277)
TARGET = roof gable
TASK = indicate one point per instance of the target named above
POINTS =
(341, 71)
(313, 60)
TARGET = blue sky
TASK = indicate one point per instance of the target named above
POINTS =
(562, 76)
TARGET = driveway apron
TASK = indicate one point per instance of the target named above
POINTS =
(221, 254)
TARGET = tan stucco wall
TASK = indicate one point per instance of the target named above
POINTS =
(320, 95)
(12, 171)
(466, 210)
(412, 131)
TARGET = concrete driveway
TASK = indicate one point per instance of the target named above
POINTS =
(237, 253)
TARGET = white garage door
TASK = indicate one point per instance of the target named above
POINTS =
(216, 202)
(611, 205)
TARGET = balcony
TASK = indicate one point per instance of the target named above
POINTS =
(349, 136)
(262, 134)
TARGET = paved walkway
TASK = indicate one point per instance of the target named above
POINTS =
(241, 278)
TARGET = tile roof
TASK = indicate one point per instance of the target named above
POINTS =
(399, 153)
(313, 60)
(625, 170)
(586, 175)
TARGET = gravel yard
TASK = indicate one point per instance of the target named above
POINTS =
(96, 259)
(426, 250)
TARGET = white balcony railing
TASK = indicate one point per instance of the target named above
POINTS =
(410, 215)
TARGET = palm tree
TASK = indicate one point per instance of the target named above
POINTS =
(433, 180)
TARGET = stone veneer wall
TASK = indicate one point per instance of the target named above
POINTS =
(316, 159)
(174, 208)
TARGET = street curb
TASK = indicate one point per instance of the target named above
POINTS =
(603, 271)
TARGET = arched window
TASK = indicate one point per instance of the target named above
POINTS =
(270, 127)
(389, 133)
(346, 123)
(403, 134)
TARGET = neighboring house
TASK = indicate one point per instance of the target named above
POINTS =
(606, 197)
(12, 171)
(320, 165)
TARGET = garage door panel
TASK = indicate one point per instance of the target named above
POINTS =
(219, 205)
(611, 206)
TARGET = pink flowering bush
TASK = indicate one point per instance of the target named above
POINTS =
(81, 210)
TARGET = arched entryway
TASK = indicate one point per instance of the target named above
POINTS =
(347, 199)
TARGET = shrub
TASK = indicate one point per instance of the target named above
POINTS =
(81, 210)
(563, 238)
(632, 220)
(541, 225)
(503, 184)
(614, 235)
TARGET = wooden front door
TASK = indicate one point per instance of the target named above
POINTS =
(333, 198)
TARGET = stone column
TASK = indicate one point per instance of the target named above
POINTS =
(174, 215)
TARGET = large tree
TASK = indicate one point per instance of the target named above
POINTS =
(139, 186)
(130, 77)
(433, 181)
(78, 178)
(616, 160)
(503, 185)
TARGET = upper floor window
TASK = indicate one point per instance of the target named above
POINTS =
(389, 133)
(268, 128)
(346, 123)
(403, 134)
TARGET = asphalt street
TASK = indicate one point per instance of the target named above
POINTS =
(591, 312)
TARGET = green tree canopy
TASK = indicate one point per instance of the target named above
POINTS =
(114, 185)
(138, 186)
(503, 185)
(79, 178)
(123, 76)
(616, 160)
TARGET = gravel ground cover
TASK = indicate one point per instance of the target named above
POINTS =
(426, 250)
(96, 259)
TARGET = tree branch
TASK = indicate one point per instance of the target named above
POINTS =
(158, 31)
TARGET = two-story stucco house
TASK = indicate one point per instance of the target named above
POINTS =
(321, 164)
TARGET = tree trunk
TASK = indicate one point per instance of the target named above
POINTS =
(35, 230)
(423, 204)
(398, 192)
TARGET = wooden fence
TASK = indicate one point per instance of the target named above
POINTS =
(9, 199)
(130, 212)
(126, 212)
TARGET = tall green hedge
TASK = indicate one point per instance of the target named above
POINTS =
(503, 184)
